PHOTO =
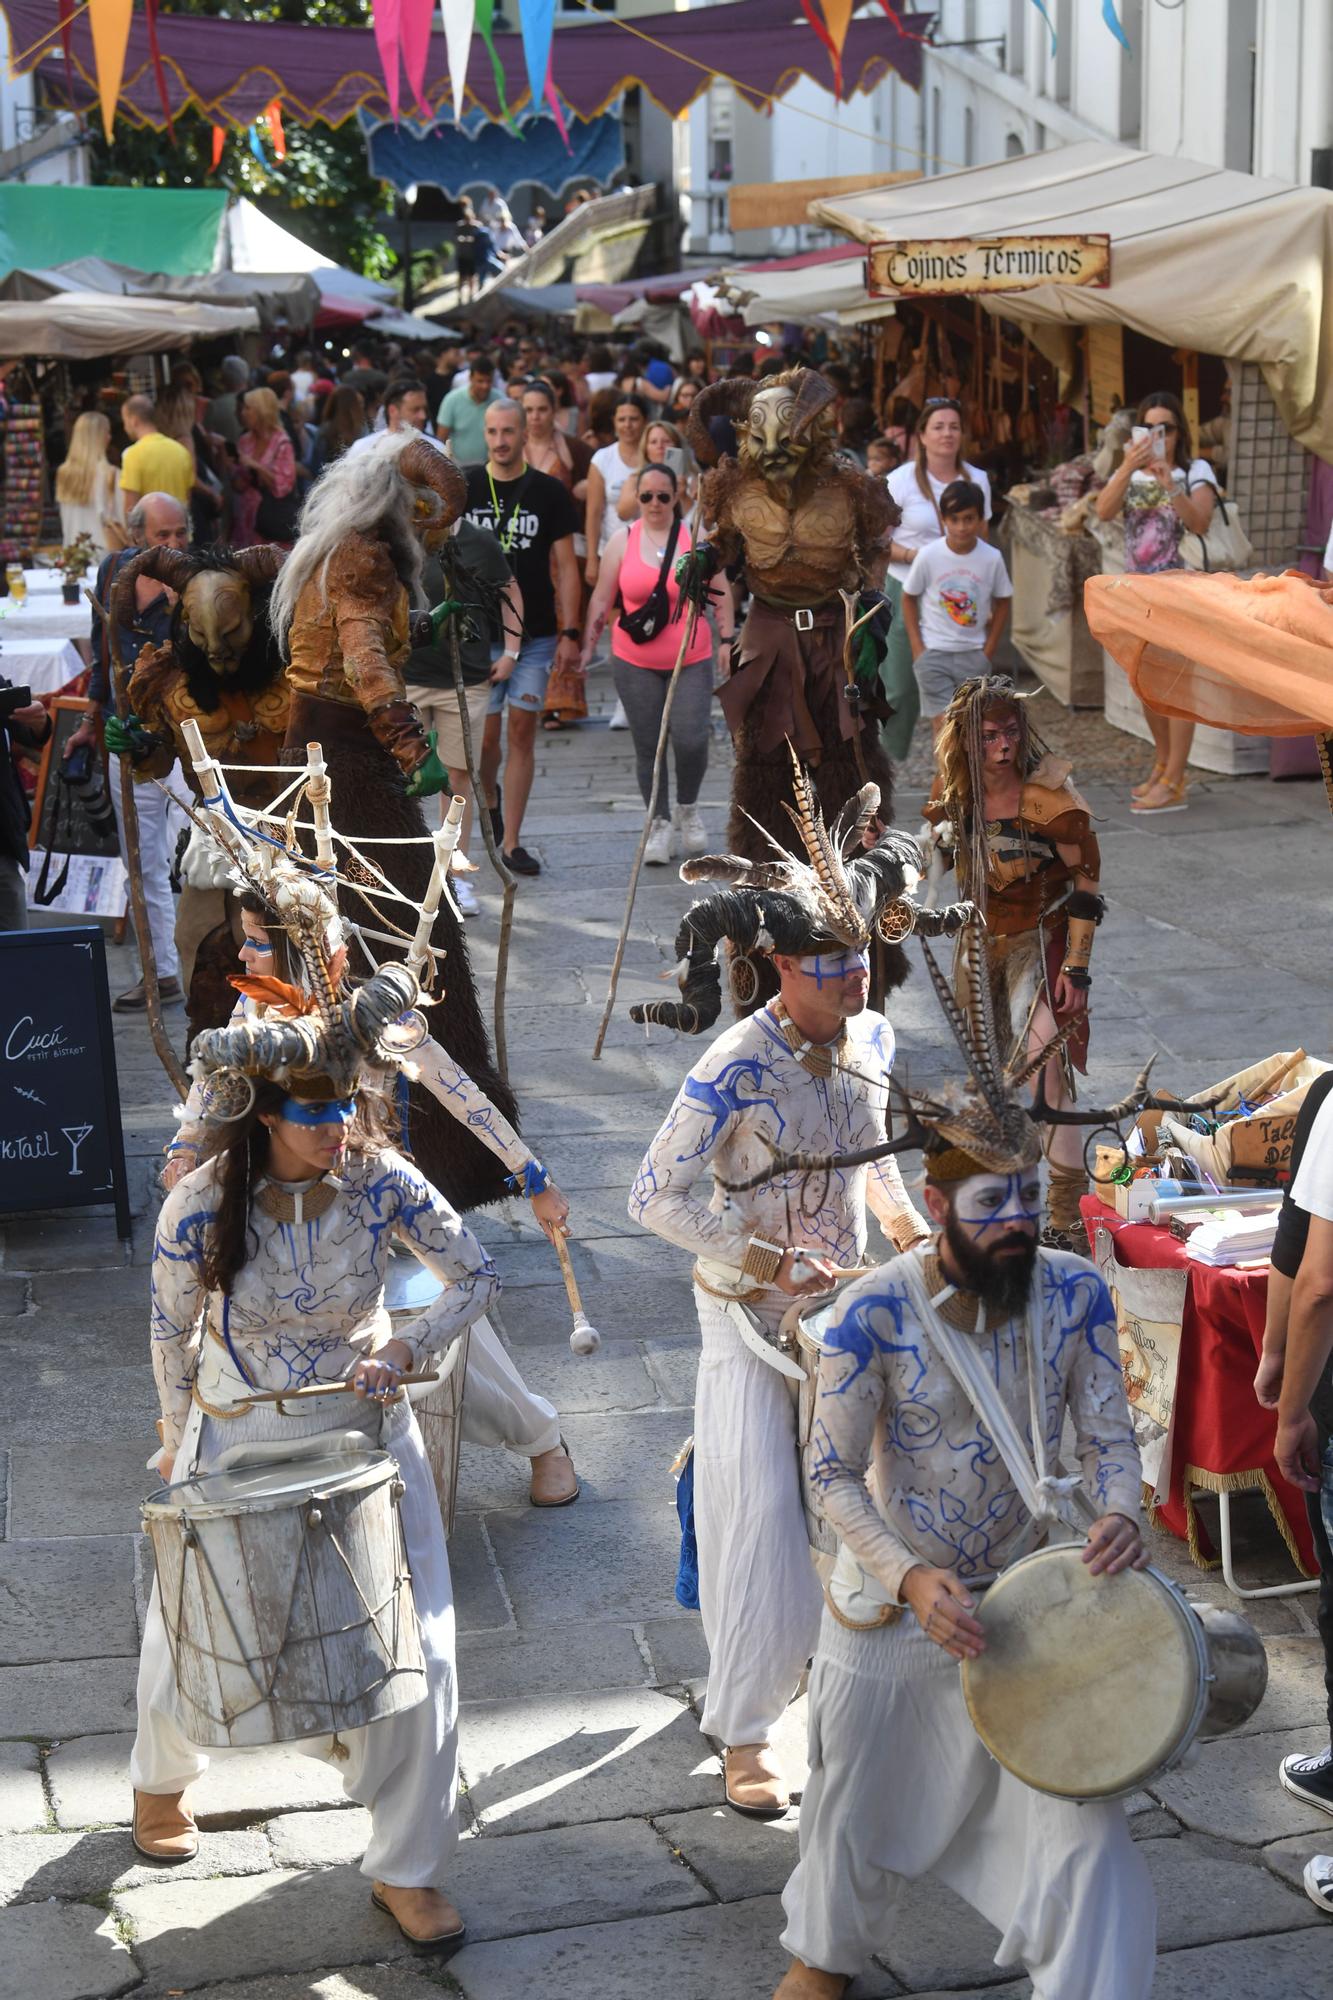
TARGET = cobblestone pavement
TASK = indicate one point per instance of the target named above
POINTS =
(597, 1861)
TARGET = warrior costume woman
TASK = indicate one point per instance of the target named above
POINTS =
(258, 1285)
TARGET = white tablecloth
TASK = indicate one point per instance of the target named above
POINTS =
(40, 664)
(44, 616)
(44, 581)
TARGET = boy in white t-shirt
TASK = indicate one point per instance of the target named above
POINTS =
(955, 602)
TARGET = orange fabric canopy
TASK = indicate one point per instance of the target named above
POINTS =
(1253, 654)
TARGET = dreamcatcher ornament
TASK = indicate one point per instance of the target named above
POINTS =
(897, 922)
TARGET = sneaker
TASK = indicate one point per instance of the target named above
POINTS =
(465, 896)
(619, 719)
(1309, 1778)
(1318, 1880)
(657, 854)
(693, 833)
(520, 862)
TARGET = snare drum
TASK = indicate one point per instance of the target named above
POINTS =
(408, 1289)
(1089, 1685)
(287, 1598)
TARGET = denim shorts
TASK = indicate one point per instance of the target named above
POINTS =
(526, 686)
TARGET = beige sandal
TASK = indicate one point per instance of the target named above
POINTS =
(1154, 777)
(1168, 799)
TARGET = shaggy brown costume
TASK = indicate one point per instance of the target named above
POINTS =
(348, 642)
(804, 529)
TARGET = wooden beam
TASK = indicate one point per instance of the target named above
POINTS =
(777, 204)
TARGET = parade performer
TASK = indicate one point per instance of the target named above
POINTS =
(808, 1071)
(341, 615)
(900, 1785)
(216, 664)
(1020, 838)
(499, 1409)
(806, 530)
(268, 1273)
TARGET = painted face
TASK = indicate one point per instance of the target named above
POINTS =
(219, 617)
(831, 968)
(338, 1111)
(1001, 739)
(256, 950)
(991, 1208)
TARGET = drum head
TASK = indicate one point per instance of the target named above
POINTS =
(1088, 1684)
(254, 1488)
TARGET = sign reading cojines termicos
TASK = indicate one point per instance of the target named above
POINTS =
(965, 264)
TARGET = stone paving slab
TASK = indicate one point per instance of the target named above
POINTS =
(480, 1605)
(661, 1308)
(571, 1759)
(66, 1599)
(95, 1403)
(615, 1378)
(611, 1560)
(318, 1839)
(726, 1953)
(738, 1858)
(674, 1366)
(69, 1242)
(525, 1882)
(66, 1698)
(78, 1489)
(1232, 1789)
(22, 1799)
(1295, 1967)
(90, 1784)
(64, 1951)
(1287, 1858)
(1295, 1694)
(620, 1455)
(284, 1921)
(1205, 1895)
(676, 1647)
(513, 1666)
(35, 1866)
(361, 1982)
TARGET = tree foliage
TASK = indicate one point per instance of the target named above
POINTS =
(323, 191)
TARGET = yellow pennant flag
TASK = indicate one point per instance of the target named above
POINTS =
(111, 32)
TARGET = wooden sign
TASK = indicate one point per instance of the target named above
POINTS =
(60, 1131)
(967, 265)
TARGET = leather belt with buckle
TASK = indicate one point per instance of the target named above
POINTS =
(804, 619)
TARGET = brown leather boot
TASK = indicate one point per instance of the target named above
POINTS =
(1064, 1222)
(164, 1827)
(554, 1480)
(807, 1982)
(426, 1917)
(754, 1783)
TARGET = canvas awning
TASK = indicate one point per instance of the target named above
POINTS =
(276, 296)
(42, 226)
(819, 284)
(1201, 257)
(81, 326)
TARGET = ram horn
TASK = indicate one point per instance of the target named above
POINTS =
(731, 398)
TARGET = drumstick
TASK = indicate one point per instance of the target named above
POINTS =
(314, 1389)
(585, 1338)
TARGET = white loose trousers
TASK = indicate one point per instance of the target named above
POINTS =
(758, 1590)
(159, 818)
(405, 1768)
(498, 1406)
(901, 1786)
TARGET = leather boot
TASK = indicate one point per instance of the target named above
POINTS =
(807, 1982)
(1064, 1224)
(164, 1827)
(554, 1481)
(426, 1917)
(754, 1783)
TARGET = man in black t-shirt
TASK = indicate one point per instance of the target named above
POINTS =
(533, 518)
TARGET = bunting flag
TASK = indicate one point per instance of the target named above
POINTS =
(110, 22)
(277, 137)
(219, 141)
(1040, 6)
(416, 18)
(557, 111)
(908, 34)
(67, 40)
(459, 20)
(1112, 21)
(537, 21)
(485, 12)
(159, 74)
(255, 147)
(837, 20)
(387, 21)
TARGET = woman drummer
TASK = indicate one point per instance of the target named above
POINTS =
(268, 1273)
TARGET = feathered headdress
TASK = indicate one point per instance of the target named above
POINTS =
(842, 893)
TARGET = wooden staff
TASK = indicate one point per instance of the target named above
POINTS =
(318, 790)
(658, 760)
(585, 1338)
(497, 862)
(166, 1055)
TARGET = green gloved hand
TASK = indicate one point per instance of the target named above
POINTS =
(440, 614)
(430, 775)
(128, 738)
(696, 569)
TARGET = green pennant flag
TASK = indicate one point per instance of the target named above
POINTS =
(485, 28)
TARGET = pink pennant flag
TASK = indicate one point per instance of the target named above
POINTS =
(416, 19)
(460, 17)
(554, 103)
(387, 22)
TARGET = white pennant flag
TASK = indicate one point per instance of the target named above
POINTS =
(459, 17)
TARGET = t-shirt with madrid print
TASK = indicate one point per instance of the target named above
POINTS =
(527, 516)
(956, 593)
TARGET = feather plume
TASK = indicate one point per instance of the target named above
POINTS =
(981, 1009)
(1015, 1078)
(990, 1089)
(853, 820)
(844, 918)
(270, 992)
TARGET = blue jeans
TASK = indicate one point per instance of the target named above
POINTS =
(526, 686)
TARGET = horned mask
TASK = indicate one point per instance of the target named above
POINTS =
(779, 424)
(216, 596)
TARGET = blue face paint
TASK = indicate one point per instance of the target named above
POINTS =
(335, 1111)
(251, 948)
(996, 1202)
(828, 968)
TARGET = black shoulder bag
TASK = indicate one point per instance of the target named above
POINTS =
(654, 614)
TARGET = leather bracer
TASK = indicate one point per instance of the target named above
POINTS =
(397, 727)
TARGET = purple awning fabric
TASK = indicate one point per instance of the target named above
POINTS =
(230, 70)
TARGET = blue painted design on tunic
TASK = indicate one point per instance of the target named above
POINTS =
(856, 1335)
(719, 1098)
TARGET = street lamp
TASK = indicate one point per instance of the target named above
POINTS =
(409, 203)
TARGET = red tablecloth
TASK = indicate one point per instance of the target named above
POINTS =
(1221, 1437)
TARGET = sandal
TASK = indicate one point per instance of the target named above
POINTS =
(1154, 777)
(1163, 798)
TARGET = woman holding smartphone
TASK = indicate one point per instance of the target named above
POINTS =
(1164, 493)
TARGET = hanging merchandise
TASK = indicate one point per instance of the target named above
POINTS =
(110, 21)
(459, 17)
(537, 21)
(276, 134)
(25, 481)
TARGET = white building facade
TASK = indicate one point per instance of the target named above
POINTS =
(43, 147)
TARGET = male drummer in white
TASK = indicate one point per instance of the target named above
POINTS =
(808, 1073)
(900, 1785)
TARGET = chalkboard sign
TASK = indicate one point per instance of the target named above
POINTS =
(61, 1144)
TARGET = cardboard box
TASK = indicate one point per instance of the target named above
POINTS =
(1253, 1151)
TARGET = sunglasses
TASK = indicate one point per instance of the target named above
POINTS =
(658, 493)
(942, 403)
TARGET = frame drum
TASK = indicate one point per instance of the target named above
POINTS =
(408, 1289)
(1091, 1684)
(287, 1598)
(803, 1324)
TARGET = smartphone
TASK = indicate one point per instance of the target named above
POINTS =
(675, 458)
(1158, 435)
(12, 698)
(1139, 433)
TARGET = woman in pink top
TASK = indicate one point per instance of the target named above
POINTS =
(267, 470)
(632, 563)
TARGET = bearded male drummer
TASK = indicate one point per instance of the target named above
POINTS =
(808, 1072)
(900, 1785)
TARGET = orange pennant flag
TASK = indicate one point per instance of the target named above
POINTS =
(275, 131)
(219, 141)
(110, 21)
(838, 17)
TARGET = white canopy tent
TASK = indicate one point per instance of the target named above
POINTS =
(81, 326)
(804, 292)
(1202, 257)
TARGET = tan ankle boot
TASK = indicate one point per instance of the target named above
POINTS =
(425, 1917)
(554, 1480)
(807, 1982)
(1066, 1189)
(754, 1783)
(164, 1827)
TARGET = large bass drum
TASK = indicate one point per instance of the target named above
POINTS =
(802, 1328)
(287, 1598)
(408, 1289)
(1091, 1684)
